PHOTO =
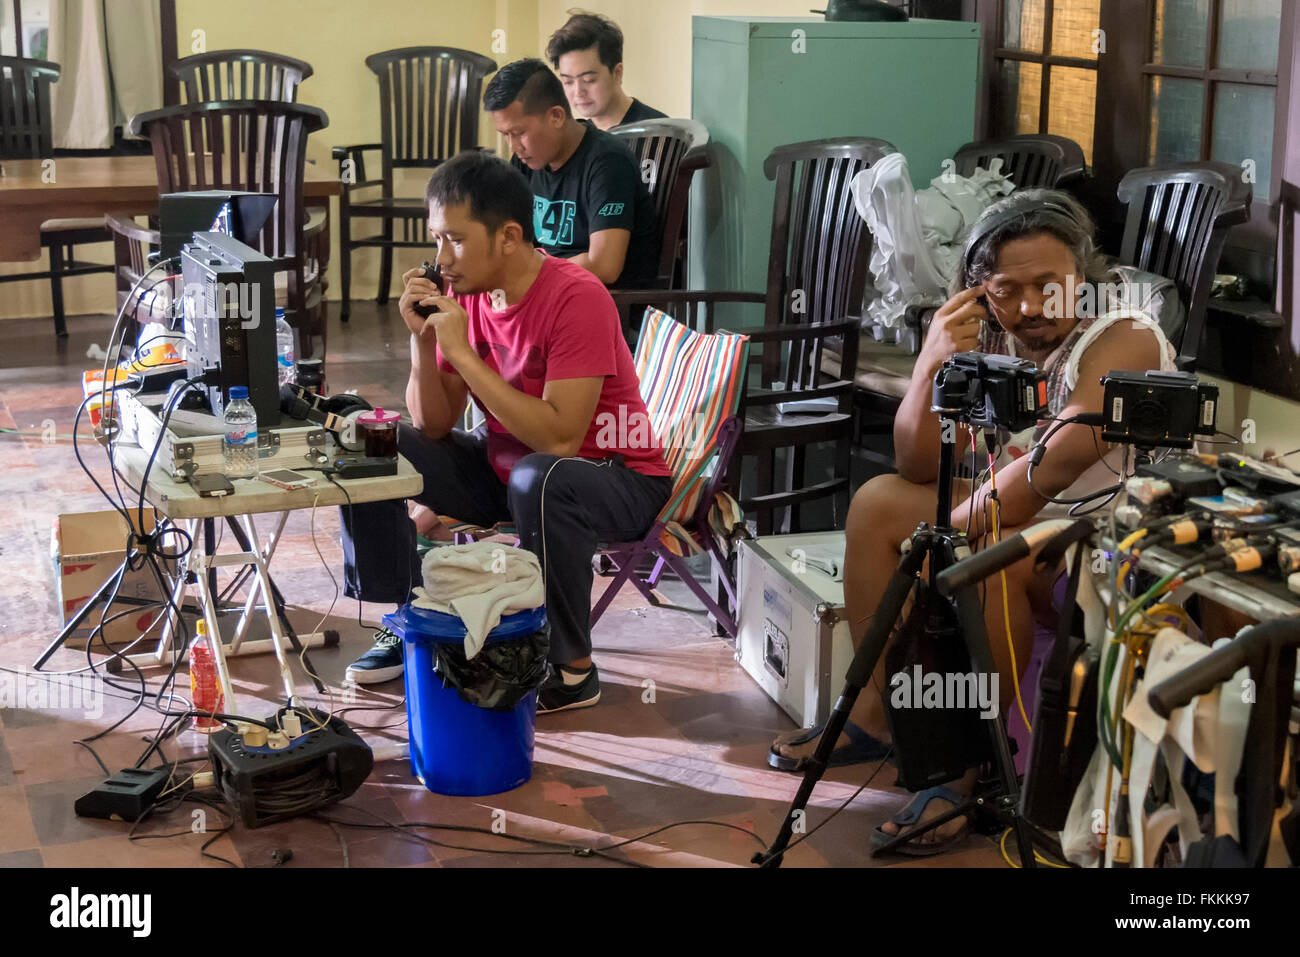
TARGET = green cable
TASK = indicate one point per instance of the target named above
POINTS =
(1103, 695)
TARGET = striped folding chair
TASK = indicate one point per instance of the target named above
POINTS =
(691, 383)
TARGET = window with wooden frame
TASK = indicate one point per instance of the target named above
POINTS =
(1137, 82)
(1045, 69)
(1212, 84)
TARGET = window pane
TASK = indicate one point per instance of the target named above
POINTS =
(1180, 32)
(1022, 25)
(1248, 34)
(36, 29)
(1243, 129)
(1074, 23)
(1072, 105)
(1176, 106)
(1020, 88)
(8, 42)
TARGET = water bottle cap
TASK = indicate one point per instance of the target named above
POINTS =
(279, 312)
(201, 628)
(239, 392)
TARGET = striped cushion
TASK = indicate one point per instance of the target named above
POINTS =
(691, 383)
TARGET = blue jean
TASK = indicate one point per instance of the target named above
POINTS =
(586, 501)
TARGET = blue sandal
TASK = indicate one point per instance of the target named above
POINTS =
(911, 815)
(863, 748)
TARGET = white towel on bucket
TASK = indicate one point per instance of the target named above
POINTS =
(479, 583)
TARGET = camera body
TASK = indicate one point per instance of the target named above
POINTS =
(1157, 409)
(990, 391)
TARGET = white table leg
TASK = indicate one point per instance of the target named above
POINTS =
(255, 588)
(273, 619)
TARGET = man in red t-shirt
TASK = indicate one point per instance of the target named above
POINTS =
(536, 342)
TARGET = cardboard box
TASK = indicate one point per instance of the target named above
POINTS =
(87, 548)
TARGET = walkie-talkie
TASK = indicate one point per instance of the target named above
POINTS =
(433, 273)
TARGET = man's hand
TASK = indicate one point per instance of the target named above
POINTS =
(955, 328)
(450, 325)
(417, 290)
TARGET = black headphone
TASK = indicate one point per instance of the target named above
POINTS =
(986, 226)
(337, 413)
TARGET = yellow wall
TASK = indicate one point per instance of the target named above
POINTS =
(657, 39)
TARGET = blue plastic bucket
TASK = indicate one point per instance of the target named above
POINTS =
(458, 748)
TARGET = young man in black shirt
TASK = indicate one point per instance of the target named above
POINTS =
(589, 203)
(587, 52)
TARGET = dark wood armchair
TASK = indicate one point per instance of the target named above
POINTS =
(807, 346)
(257, 146)
(669, 153)
(26, 133)
(239, 75)
(429, 107)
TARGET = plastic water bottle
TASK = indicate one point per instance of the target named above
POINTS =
(240, 445)
(285, 367)
(205, 683)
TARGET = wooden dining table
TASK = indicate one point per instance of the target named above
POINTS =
(80, 187)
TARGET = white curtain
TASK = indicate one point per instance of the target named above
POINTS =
(111, 60)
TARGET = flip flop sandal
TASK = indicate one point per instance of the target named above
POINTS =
(862, 748)
(911, 815)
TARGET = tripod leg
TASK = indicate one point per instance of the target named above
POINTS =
(110, 586)
(859, 673)
(976, 635)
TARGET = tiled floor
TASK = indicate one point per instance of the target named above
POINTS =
(625, 768)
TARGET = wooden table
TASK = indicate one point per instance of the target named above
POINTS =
(90, 186)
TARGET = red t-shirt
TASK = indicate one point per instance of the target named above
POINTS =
(565, 327)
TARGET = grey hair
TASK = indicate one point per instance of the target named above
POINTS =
(1076, 233)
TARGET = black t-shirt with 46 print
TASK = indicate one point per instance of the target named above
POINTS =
(598, 187)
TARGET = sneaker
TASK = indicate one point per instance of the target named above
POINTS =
(383, 662)
(555, 695)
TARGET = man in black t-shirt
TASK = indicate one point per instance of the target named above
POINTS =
(587, 52)
(589, 203)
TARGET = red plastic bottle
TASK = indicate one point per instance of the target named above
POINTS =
(205, 683)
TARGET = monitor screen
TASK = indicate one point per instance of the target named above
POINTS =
(222, 223)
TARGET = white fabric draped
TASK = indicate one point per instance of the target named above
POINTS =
(111, 58)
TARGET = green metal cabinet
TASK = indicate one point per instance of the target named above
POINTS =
(760, 82)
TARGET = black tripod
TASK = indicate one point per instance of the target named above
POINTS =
(943, 545)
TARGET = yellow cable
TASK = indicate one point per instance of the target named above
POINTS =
(1002, 844)
(1006, 602)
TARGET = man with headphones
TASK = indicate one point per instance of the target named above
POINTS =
(1023, 289)
(535, 341)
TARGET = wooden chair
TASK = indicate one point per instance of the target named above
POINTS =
(26, 133)
(239, 75)
(256, 146)
(255, 75)
(669, 152)
(1177, 223)
(808, 345)
(1031, 160)
(429, 106)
